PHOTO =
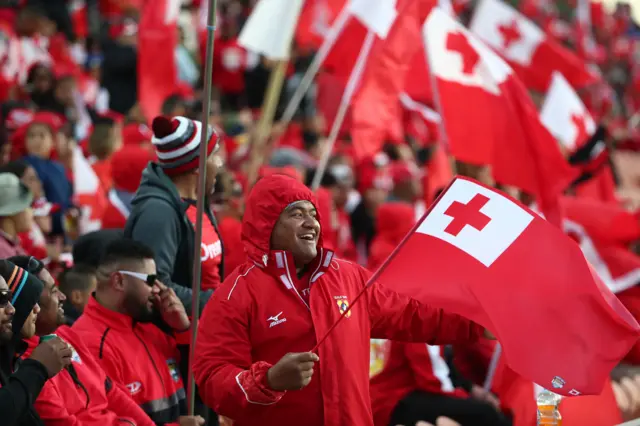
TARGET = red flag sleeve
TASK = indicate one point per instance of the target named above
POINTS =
(397, 317)
(228, 381)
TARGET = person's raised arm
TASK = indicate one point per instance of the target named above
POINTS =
(397, 317)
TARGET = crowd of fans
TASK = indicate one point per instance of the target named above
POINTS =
(109, 269)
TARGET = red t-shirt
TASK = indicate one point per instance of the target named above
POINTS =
(210, 252)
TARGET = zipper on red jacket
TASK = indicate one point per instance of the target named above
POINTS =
(78, 383)
(152, 360)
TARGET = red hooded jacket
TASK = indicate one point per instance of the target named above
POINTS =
(257, 316)
(139, 357)
(84, 395)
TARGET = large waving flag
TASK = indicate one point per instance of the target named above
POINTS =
(489, 117)
(480, 254)
(532, 54)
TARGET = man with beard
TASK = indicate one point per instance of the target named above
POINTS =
(19, 389)
(163, 216)
(51, 314)
(82, 393)
(117, 328)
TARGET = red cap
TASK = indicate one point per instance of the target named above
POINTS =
(136, 134)
(127, 166)
(373, 173)
(402, 171)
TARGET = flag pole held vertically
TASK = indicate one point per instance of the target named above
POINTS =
(202, 197)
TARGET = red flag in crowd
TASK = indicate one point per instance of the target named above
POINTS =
(617, 267)
(564, 114)
(421, 122)
(315, 20)
(376, 112)
(342, 57)
(488, 115)
(157, 41)
(485, 256)
(532, 54)
(605, 222)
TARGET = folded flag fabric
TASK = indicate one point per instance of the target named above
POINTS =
(485, 256)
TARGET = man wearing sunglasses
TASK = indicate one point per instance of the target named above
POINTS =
(118, 326)
(163, 214)
(6, 312)
(82, 393)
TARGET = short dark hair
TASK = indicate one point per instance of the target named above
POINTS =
(89, 248)
(126, 250)
(28, 263)
(75, 278)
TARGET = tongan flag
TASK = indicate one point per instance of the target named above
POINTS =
(480, 254)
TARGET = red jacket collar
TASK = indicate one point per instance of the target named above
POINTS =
(280, 265)
(112, 319)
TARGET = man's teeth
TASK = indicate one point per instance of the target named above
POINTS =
(307, 237)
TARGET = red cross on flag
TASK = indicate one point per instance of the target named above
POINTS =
(480, 254)
(529, 51)
(564, 114)
(488, 115)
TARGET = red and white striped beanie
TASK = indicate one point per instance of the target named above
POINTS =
(177, 143)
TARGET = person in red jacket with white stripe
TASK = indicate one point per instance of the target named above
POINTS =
(81, 394)
(252, 361)
(117, 326)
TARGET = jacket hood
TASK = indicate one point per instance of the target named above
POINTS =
(156, 184)
(268, 198)
(394, 221)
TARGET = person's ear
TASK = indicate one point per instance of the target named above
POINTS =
(76, 297)
(117, 281)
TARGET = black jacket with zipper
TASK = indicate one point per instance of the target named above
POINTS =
(19, 389)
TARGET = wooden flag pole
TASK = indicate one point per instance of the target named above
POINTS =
(202, 197)
(269, 106)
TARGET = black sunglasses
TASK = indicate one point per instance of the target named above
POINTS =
(150, 279)
(5, 297)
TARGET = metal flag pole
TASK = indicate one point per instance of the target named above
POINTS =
(202, 197)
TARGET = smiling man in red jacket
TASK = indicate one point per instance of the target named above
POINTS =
(252, 362)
